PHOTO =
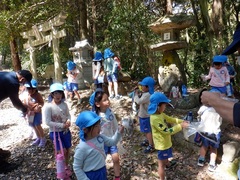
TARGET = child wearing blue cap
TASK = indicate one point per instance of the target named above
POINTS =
(98, 70)
(34, 102)
(57, 117)
(72, 73)
(110, 67)
(89, 157)
(142, 99)
(160, 130)
(101, 106)
(218, 74)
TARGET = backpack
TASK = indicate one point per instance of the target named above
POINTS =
(119, 67)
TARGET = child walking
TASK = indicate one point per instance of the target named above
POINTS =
(142, 99)
(89, 157)
(57, 117)
(218, 74)
(160, 130)
(72, 85)
(210, 135)
(109, 125)
(98, 70)
(34, 102)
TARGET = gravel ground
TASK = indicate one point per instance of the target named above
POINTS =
(38, 163)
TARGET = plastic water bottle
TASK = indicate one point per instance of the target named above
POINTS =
(190, 116)
(60, 166)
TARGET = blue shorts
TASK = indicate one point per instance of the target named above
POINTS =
(112, 77)
(236, 114)
(207, 143)
(222, 90)
(111, 149)
(165, 154)
(65, 137)
(72, 87)
(98, 174)
(37, 120)
(145, 125)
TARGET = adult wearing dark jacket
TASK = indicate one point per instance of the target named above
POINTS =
(9, 88)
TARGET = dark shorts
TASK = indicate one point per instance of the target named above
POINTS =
(222, 90)
(112, 77)
(71, 87)
(98, 174)
(65, 137)
(111, 149)
(165, 154)
(145, 125)
(37, 120)
(207, 143)
(236, 114)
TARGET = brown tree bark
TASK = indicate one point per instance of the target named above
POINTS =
(14, 55)
(168, 7)
(83, 20)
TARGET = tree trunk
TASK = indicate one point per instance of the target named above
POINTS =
(83, 20)
(207, 24)
(14, 55)
(168, 7)
(217, 20)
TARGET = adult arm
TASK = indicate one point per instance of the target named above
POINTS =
(228, 110)
(17, 103)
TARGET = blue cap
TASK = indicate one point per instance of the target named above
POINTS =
(220, 58)
(33, 82)
(92, 97)
(56, 87)
(108, 53)
(155, 100)
(148, 81)
(71, 65)
(86, 119)
(98, 56)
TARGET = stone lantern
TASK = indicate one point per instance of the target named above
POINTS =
(171, 68)
(82, 57)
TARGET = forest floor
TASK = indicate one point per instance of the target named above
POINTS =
(38, 163)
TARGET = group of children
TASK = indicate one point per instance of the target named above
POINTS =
(100, 132)
(107, 65)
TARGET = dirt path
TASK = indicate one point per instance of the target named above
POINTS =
(37, 163)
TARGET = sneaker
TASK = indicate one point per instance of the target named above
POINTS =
(149, 149)
(36, 142)
(200, 162)
(79, 102)
(212, 168)
(42, 142)
(171, 164)
(144, 143)
(111, 97)
(118, 97)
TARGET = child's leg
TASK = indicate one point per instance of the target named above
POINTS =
(161, 168)
(116, 165)
(203, 151)
(150, 139)
(213, 156)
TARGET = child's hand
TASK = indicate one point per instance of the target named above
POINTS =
(120, 128)
(185, 124)
(67, 124)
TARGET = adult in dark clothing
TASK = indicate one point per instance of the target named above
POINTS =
(9, 88)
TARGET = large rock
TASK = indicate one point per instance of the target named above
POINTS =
(231, 150)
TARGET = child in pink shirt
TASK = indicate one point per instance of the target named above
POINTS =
(218, 74)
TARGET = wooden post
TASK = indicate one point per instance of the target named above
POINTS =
(57, 61)
(43, 34)
(33, 62)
